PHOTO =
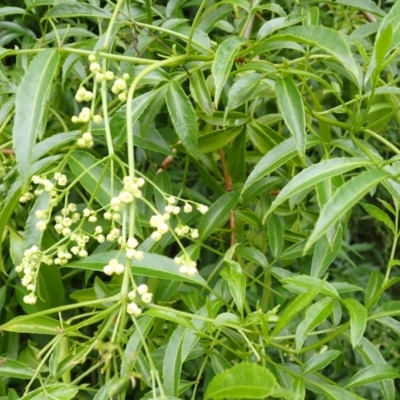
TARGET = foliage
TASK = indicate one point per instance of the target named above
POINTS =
(199, 199)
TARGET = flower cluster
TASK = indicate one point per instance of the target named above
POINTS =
(85, 115)
(119, 87)
(146, 297)
(86, 140)
(83, 95)
(158, 221)
(29, 267)
(80, 248)
(64, 221)
(114, 267)
(187, 266)
(131, 252)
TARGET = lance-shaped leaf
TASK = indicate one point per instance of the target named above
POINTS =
(223, 62)
(319, 361)
(372, 374)
(217, 213)
(183, 117)
(201, 92)
(315, 174)
(234, 275)
(75, 9)
(347, 196)
(358, 320)
(329, 40)
(245, 381)
(292, 110)
(276, 157)
(30, 107)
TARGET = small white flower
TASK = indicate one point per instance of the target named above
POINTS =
(94, 67)
(176, 210)
(156, 220)
(101, 238)
(171, 200)
(132, 243)
(183, 269)
(92, 57)
(41, 225)
(122, 97)
(81, 143)
(162, 228)
(178, 260)
(132, 295)
(156, 236)
(147, 297)
(139, 255)
(202, 208)
(36, 179)
(97, 119)
(133, 309)
(169, 209)
(125, 76)
(119, 269)
(87, 137)
(142, 289)
(108, 270)
(140, 182)
(88, 96)
(107, 215)
(194, 234)
(83, 253)
(98, 229)
(72, 207)
(109, 75)
(125, 197)
(75, 250)
(130, 253)
(99, 77)
(187, 208)
(120, 84)
(191, 271)
(74, 119)
(92, 219)
(86, 212)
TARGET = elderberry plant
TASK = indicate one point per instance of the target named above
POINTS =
(191, 197)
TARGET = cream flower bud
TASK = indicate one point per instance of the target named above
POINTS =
(81, 143)
(140, 182)
(87, 137)
(156, 236)
(88, 96)
(142, 289)
(109, 75)
(162, 228)
(74, 119)
(147, 297)
(97, 119)
(132, 243)
(187, 208)
(122, 97)
(194, 234)
(98, 229)
(119, 269)
(94, 67)
(108, 270)
(130, 253)
(41, 225)
(99, 77)
(133, 309)
(202, 208)
(81, 92)
(92, 57)
(92, 219)
(138, 255)
(176, 210)
(132, 295)
(183, 269)
(169, 209)
(83, 253)
(125, 76)
(171, 200)
(178, 260)
(101, 238)
(192, 271)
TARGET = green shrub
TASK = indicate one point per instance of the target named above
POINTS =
(199, 199)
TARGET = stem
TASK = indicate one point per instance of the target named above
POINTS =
(112, 23)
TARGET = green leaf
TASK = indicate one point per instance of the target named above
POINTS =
(33, 324)
(172, 363)
(347, 196)
(236, 279)
(236, 160)
(139, 105)
(240, 3)
(315, 315)
(379, 215)
(292, 109)
(183, 117)
(217, 214)
(11, 11)
(372, 374)
(332, 41)
(201, 92)
(245, 381)
(382, 44)
(170, 315)
(336, 392)
(57, 391)
(30, 107)
(364, 5)
(358, 320)
(294, 308)
(275, 158)
(51, 143)
(308, 283)
(315, 174)
(371, 355)
(324, 254)
(15, 369)
(152, 265)
(375, 284)
(275, 235)
(319, 361)
(75, 9)
(254, 255)
(274, 24)
(223, 62)
(215, 140)
(241, 91)
(94, 176)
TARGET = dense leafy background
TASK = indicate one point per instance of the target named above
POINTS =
(283, 118)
